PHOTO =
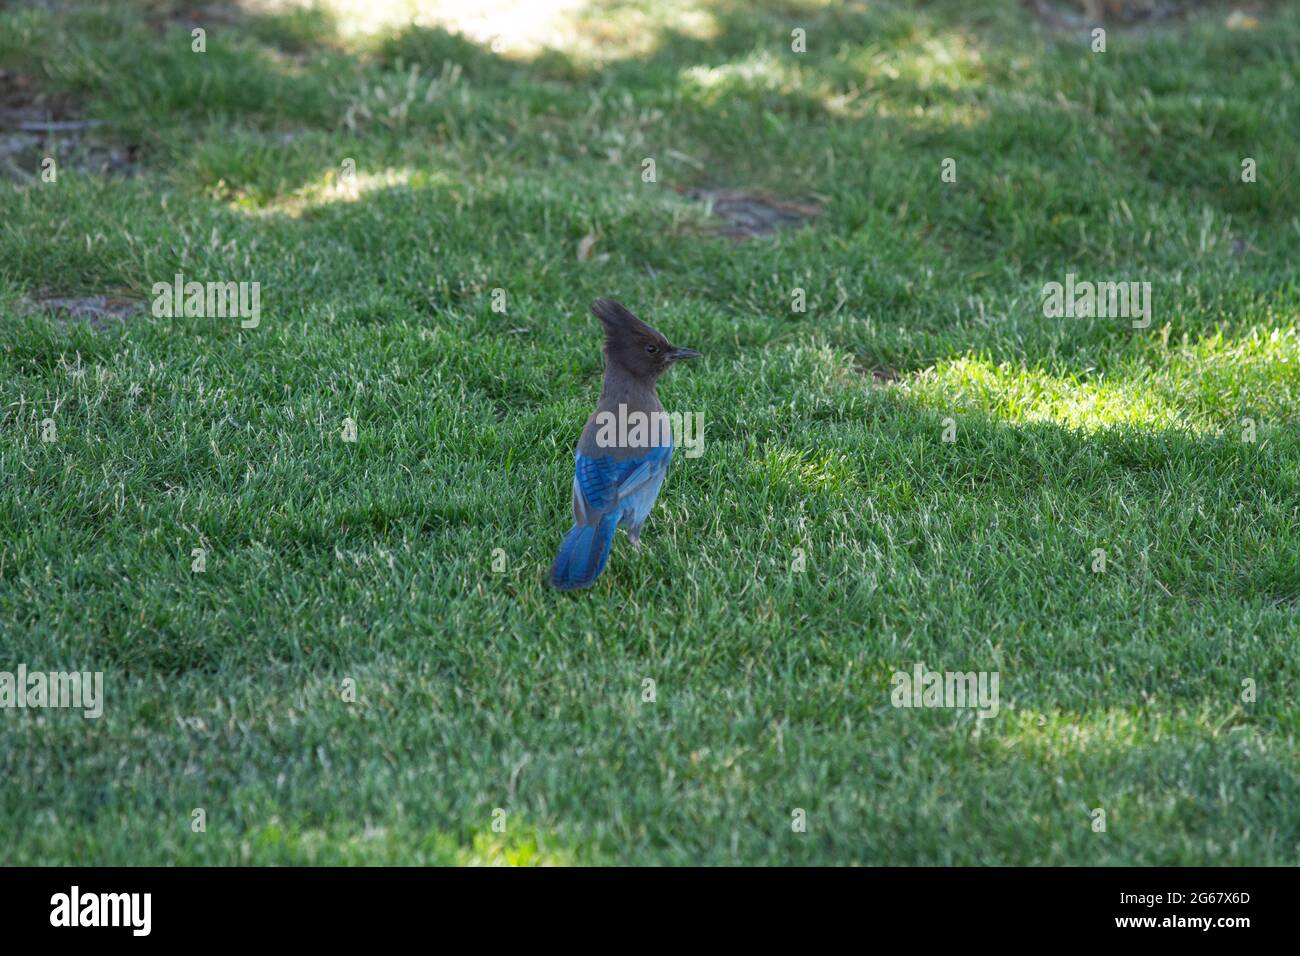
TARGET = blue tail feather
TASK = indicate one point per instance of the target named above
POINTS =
(583, 554)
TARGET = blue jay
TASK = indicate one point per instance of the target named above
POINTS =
(625, 448)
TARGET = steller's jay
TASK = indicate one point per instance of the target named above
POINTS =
(619, 469)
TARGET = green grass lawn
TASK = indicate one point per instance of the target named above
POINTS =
(1172, 448)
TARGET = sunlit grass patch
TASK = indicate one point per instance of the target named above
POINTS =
(517, 29)
(605, 32)
(947, 60)
(1198, 386)
(1226, 378)
(762, 71)
(805, 471)
(343, 185)
(1023, 395)
(522, 846)
(1057, 734)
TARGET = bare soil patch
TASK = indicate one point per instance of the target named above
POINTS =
(752, 215)
(97, 311)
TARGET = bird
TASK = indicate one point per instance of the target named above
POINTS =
(618, 470)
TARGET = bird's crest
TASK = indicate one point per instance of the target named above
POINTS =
(617, 318)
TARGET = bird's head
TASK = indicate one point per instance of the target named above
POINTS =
(635, 346)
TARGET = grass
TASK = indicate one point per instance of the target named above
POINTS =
(1172, 448)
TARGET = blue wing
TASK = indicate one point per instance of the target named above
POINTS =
(607, 492)
(626, 489)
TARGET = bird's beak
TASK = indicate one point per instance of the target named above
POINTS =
(679, 354)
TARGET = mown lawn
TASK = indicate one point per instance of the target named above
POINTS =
(1172, 448)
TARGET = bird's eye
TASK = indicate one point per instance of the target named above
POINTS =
(652, 349)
